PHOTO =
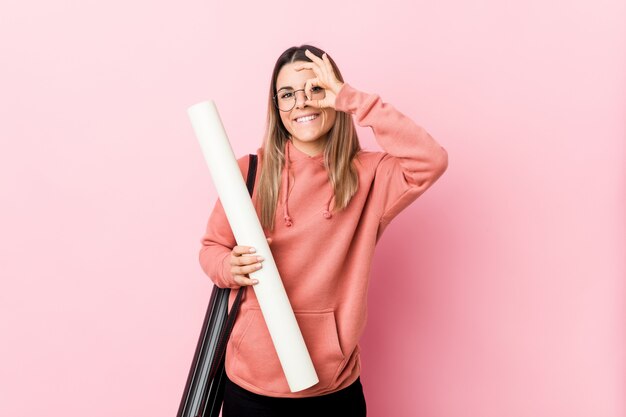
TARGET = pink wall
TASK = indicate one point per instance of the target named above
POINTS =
(499, 293)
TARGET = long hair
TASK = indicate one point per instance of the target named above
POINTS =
(341, 148)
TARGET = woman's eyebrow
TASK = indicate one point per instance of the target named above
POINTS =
(285, 88)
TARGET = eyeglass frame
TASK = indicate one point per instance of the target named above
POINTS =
(275, 100)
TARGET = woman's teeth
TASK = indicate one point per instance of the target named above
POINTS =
(307, 118)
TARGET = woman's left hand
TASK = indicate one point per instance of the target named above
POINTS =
(324, 77)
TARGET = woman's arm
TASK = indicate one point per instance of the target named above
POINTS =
(413, 160)
(217, 244)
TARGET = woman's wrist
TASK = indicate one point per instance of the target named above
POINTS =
(338, 88)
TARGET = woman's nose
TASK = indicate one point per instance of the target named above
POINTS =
(300, 99)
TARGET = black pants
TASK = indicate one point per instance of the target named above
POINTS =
(348, 402)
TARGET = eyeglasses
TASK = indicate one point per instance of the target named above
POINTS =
(285, 99)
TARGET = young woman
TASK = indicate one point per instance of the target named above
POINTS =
(323, 203)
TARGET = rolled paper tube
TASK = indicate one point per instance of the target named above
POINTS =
(277, 312)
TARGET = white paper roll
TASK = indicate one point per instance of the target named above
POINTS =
(277, 312)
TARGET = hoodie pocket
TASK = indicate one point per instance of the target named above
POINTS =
(255, 359)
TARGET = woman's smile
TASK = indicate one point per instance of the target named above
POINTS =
(307, 118)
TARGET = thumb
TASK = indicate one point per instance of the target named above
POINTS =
(320, 104)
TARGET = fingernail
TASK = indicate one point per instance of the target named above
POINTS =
(252, 250)
(255, 281)
(260, 258)
(259, 266)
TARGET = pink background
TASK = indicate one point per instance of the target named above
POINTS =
(500, 292)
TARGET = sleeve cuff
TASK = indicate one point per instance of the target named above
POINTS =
(227, 278)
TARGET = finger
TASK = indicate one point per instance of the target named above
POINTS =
(245, 281)
(327, 64)
(245, 260)
(317, 64)
(305, 65)
(313, 103)
(308, 84)
(269, 240)
(320, 104)
(313, 57)
(246, 269)
(318, 70)
(240, 250)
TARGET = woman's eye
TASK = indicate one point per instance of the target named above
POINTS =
(286, 95)
(316, 89)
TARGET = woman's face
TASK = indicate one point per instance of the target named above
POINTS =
(309, 135)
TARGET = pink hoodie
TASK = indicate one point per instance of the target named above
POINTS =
(324, 256)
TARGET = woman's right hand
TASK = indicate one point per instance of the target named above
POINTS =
(243, 262)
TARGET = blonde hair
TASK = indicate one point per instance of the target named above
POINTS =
(341, 148)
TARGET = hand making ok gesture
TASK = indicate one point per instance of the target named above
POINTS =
(324, 77)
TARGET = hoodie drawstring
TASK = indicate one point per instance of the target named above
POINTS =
(286, 216)
(326, 213)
